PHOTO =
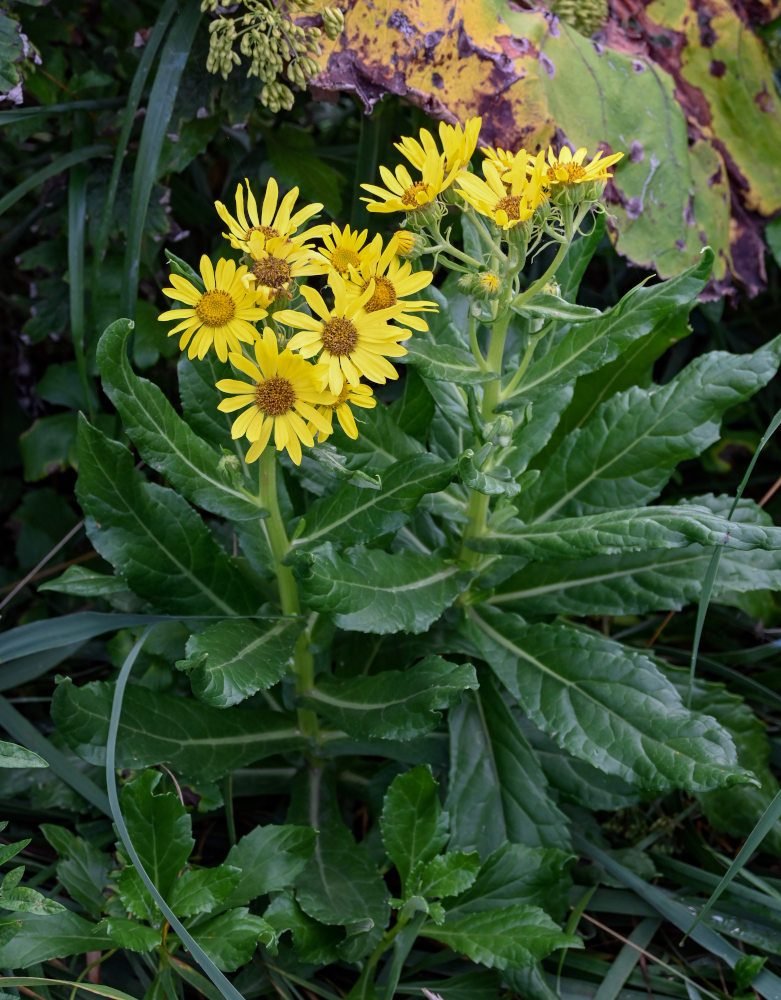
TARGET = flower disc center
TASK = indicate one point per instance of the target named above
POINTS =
(384, 294)
(215, 308)
(339, 336)
(271, 272)
(342, 258)
(275, 396)
(410, 196)
(511, 205)
(268, 231)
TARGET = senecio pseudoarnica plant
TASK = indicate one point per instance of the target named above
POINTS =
(405, 583)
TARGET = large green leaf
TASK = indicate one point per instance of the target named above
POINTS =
(371, 591)
(165, 441)
(626, 452)
(82, 869)
(231, 660)
(446, 364)
(497, 791)
(598, 341)
(605, 703)
(414, 827)
(198, 741)
(634, 530)
(45, 936)
(231, 938)
(202, 890)
(159, 827)
(270, 858)
(340, 885)
(355, 515)
(152, 537)
(511, 937)
(393, 704)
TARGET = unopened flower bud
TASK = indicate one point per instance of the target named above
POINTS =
(333, 22)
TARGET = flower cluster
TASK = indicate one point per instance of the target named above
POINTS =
(315, 360)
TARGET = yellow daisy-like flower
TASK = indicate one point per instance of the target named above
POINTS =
(458, 145)
(343, 249)
(285, 391)
(353, 343)
(502, 159)
(277, 263)
(393, 279)
(568, 167)
(507, 199)
(355, 395)
(222, 315)
(405, 195)
(272, 221)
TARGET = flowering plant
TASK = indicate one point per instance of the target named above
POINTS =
(403, 598)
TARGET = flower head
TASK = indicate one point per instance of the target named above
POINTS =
(221, 315)
(405, 195)
(458, 145)
(272, 221)
(507, 198)
(350, 341)
(342, 250)
(351, 395)
(567, 167)
(277, 263)
(284, 393)
(393, 279)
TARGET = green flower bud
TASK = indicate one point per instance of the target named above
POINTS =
(333, 22)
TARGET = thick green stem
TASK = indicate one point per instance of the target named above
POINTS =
(303, 662)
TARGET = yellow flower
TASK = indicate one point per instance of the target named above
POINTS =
(502, 159)
(276, 264)
(284, 393)
(393, 279)
(405, 242)
(458, 145)
(507, 199)
(567, 167)
(343, 250)
(405, 195)
(222, 315)
(272, 221)
(353, 343)
(357, 395)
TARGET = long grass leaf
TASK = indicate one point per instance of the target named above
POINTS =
(77, 213)
(623, 964)
(36, 637)
(57, 166)
(766, 983)
(94, 988)
(173, 59)
(128, 117)
(13, 115)
(26, 734)
(226, 988)
(713, 567)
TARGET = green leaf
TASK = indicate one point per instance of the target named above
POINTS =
(231, 660)
(626, 452)
(498, 482)
(82, 582)
(12, 755)
(201, 890)
(596, 342)
(393, 704)
(414, 827)
(42, 937)
(550, 306)
(355, 515)
(152, 537)
(619, 531)
(270, 858)
(512, 937)
(21, 899)
(293, 152)
(446, 364)
(199, 397)
(496, 788)
(371, 591)
(340, 885)
(195, 740)
(516, 873)
(165, 441)
(231, 938)
(314, 943)
(605, 703)
(159, 827)
(130, 934)
(449, 874)
(82, 869)
(48, 446)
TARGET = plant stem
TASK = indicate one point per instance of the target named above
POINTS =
(303, 661)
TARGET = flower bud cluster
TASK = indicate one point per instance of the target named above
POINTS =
(274, 44)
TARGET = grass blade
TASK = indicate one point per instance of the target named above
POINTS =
(13, 115)
(226, 988)
(58, 166)
(94, 988)
(623, 964)
(77, 213)
(173, 59)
